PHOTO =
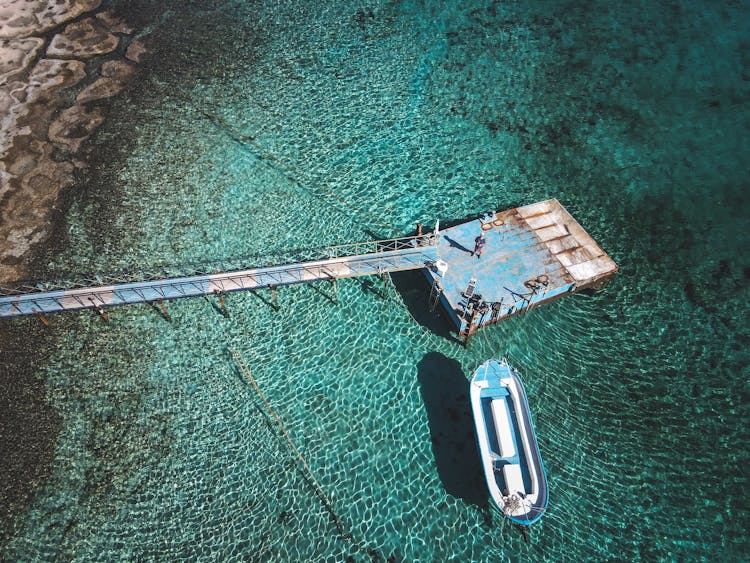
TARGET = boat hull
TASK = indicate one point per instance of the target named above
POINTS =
(512, 463)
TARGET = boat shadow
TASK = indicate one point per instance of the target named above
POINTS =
(445, 392)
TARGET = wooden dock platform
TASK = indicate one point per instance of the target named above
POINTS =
(532, 254)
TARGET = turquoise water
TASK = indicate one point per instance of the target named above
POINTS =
(259, 128)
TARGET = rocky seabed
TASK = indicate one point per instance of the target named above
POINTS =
(59, 60)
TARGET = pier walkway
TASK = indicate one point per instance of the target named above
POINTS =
(344, 261)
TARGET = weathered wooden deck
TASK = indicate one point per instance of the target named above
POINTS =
(533, 254)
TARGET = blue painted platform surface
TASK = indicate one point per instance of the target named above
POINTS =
(540, 244)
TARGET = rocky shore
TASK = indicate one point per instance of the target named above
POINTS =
(59, 61)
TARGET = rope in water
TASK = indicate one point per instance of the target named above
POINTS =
(239, 359)
(241, 363)
(287, 169)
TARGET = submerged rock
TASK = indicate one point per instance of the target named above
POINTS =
(119, 70)
(26, 107)
(136, 51)
(114, 23)
(74, 126)
(53, 74)
(17, 55)
(21, 18)
(83, 39)
(103, 88)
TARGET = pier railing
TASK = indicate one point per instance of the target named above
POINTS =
(342, 261)
(375, 246)
(84, 281)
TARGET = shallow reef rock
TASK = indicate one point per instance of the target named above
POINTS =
(113, 23)
(118, 70)
(25, 112)
(21, 18)
(49, 107)
(17, 55)
(102, 88)
(83, 39)
(74, 126)
(136, 51)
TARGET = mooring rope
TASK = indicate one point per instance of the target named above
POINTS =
(241, 363)
(291, 172)
(239, 359)
(358, 544)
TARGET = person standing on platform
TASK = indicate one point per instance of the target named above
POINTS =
(479, 245)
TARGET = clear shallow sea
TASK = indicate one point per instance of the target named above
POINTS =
(259, 128)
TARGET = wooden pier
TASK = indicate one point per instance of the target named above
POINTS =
(533, 254)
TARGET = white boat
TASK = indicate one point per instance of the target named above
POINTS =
(510, 455)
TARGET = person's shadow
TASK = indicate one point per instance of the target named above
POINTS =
(456, 244)
(445, 392)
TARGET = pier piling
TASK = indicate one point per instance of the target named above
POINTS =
(335, 290)
(163, 309)
(42, 319)
(99, 309)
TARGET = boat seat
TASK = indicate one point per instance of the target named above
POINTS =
(503, 428)
(488, 391)
(513, 478)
